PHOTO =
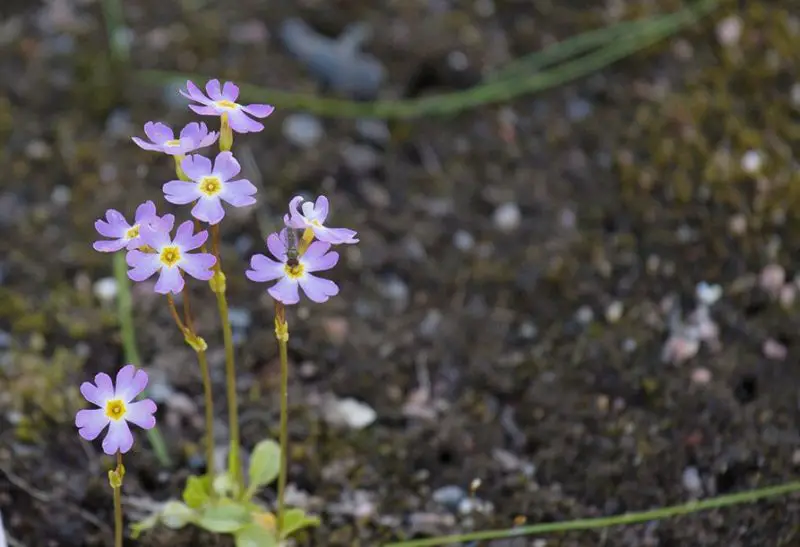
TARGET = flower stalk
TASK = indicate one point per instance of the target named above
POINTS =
(115, 477)
(282, 336)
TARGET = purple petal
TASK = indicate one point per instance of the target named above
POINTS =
(213, 90)
(143, 265)
(226, 166)
(183, 233)
(205, 110)
(208, 140)
(118, 438)
(194, 131)
(169, 281)
(230, 91)
(181, 192)
(276, 243)
(320, 263)
(153, 235)
(145, 212)
(90, 423)
(99, 392)
(147, 146)
(285, 291)
(130, 383)
(238, 193)
(318, 289)
(294, 219)
(109, 245)
(141, 413)
(209, 210)
(163, 224)
(259, 110)
(242, 123)
(113, 226)
(196, 166)
(315, 251)
(158, 132)
(199, 265)
(193, 241)
(336, 236)
(321, 209)
(193, 92)
(263, 269)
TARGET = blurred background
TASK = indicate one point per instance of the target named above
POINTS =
(583, 296)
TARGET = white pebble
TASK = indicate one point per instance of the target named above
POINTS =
(507, 217)
(105, 289)
(463, 241)
(752, 161)
(691, 480)
(729, 30)
(348, 412)
(61, 195)
(303, 130)
(614, 311)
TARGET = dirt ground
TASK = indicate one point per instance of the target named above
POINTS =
(519, 309)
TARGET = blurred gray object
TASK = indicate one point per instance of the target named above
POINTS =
(2, 533)
(338, 65)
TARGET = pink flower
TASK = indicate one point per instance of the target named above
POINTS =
(223, 101)
(124, 234)
(116, 409)
(192, 137)
(313, 216)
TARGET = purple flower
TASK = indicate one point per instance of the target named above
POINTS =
(313, 216)
(295, 272)
(193, 136)
(223, 101)
(122, 233)
(116, 409)
(170, 257)
(210, 186)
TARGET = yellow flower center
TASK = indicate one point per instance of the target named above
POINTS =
(316, 224)
(225, 103)
(115, 409)
(132, 232)
(173, 142)
(294, 271)
(170, 256)
(210, 186)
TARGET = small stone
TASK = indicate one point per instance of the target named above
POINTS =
(463, 241)
(707, 293)
(336, 328)
(348, 413)
(507, 217)
(38, 150)
(429, 327)
(774, 350)
(105, 289)
(614, 312)
(239, 318)
(375, 131)
(396, 290)
(360, 158)
(691, 480)
(738, 224)
(729, 30)
(679, 348)
(449, 496)
(249, 32)
(303, 130)
(578, 109)
(752, 161)
(772, 278)
(61, 196)
(629, 345)
(701, 376)
(787, 295)
(796, 457)
(527, 330)
(457, 60)
(584, 315)
(471, 505)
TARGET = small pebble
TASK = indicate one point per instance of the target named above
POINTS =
(691, 480)
(336, 328)
(429, 326)
(787, 295)
(707, 294)
(303, 130)
(737, 224)
(752, 161)
(449, 496)
(348, 413)
(375, 131)
(527, 330)
(729, 30)
(629, 345)
(774, 350)
(772, 278)
(701, 376)
(507, 217)
(61, 196)
(105, 289)
(395, 289)
(463, 241)
(614, 312)
(584, 315)
(360, 158)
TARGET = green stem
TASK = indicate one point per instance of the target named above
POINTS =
(117, 488)
(616, 47)
(129, 348)
(211, 464)
(282, 335)
(607, 522)
(218, 286)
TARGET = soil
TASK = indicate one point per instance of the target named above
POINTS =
(529, 355)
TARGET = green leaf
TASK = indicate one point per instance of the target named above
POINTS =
(224, 518)
(296, 519)
(265, 464)
(254, 535)
(176, 515)
(144, 525)
(197, 492)
(224, 485)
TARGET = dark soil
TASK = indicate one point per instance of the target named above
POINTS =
(480, 357)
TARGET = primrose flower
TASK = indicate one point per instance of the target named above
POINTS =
(193, 136)
(125, 235)
(116, 409)
(210, 186)
(313, 216)
(295, 271)
(223, 101)
(171, 257)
